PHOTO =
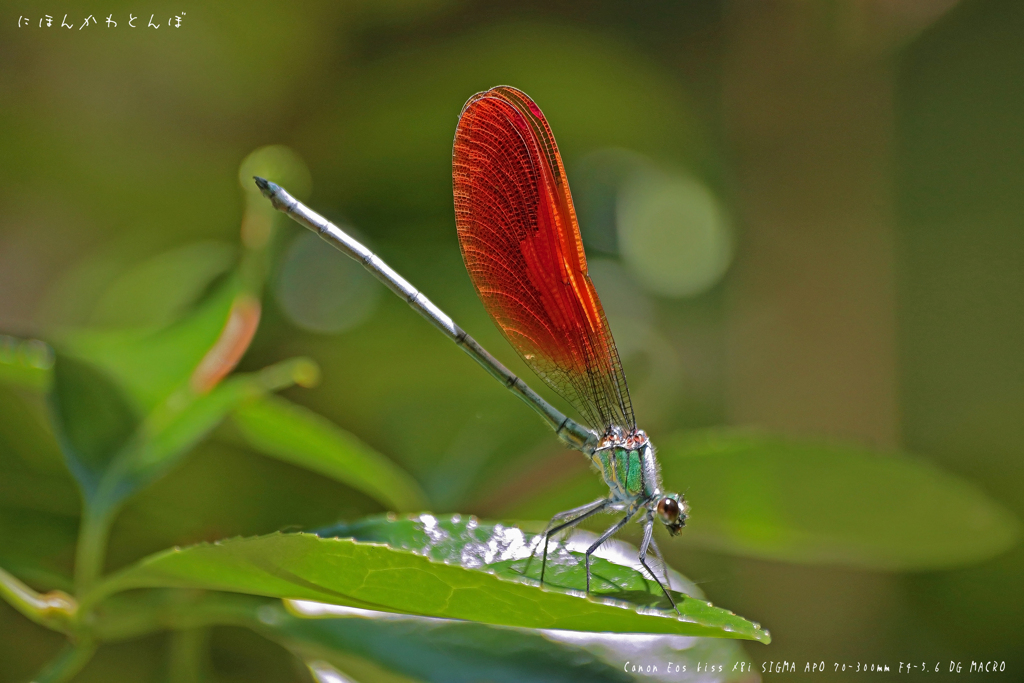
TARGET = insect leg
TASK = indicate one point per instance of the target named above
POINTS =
(604, 537)
(571, 513)
(580, 513)
(648, 537)
(657, 553)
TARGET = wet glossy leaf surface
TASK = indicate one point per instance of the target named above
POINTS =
(510, 554)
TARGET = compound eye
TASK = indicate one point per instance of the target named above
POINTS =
(668, 508)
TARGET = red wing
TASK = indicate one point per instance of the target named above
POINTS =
(522, 248)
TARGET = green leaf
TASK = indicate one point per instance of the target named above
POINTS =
(376, 577)
(172, 431)
(795, 501)
(378, 646)
(445, 651)
(92, 418)
(151, 364)
(289, 432)
(112, 453)
(160, 289)
(455, 539)
(505, 552)
(25, 439)
(435, 650)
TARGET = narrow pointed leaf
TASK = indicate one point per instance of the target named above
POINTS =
(289, 432)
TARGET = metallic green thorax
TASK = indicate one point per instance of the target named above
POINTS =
(622, 465)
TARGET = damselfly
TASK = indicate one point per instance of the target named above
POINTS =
(521, 244)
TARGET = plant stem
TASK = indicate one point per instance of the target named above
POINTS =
(69, 662)
(93, 533)
(55, 610)
(188, 651)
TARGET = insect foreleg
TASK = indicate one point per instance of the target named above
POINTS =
(648, 538)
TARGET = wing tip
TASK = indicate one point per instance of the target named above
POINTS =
(502, 92)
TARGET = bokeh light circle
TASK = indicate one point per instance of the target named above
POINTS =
(321, 290)
(673, 233)
(279, 164)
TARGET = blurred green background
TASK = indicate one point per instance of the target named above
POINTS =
(802, 217)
